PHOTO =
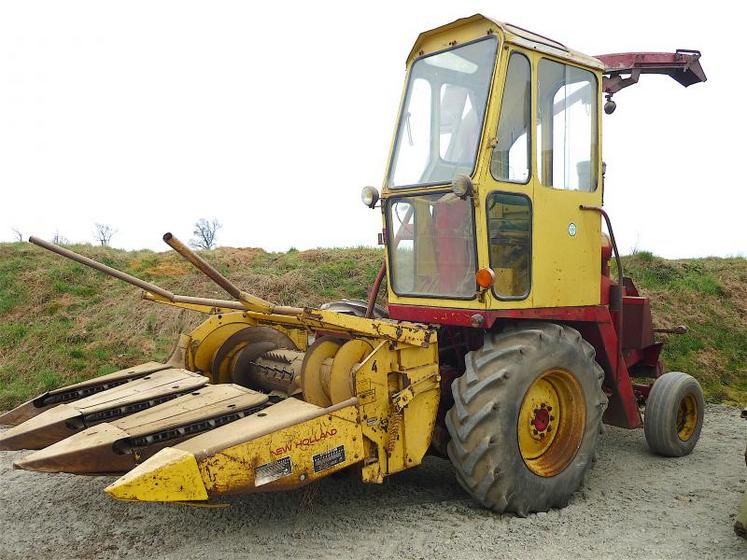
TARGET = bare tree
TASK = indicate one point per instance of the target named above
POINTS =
(204, 233)
(17, 234)
(104, 234)
(59, 239)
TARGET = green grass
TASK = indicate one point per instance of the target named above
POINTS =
(61, 323)
(709, 296)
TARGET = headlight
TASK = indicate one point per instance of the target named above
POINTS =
(369, 196)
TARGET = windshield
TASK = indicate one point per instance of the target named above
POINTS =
(441, 121)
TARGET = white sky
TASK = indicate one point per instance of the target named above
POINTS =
(272, 116)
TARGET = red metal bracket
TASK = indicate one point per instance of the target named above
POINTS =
(682, 65)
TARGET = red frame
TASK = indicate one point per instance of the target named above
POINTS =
(596, 324)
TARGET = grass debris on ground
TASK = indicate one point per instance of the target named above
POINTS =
(61, 322)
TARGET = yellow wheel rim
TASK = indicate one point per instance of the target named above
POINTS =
(687, 417)
(551, 424)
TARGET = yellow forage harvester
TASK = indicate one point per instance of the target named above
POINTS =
(505, 344)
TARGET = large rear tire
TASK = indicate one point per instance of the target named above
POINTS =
(526, 418)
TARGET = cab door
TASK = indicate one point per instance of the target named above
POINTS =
(566, 256)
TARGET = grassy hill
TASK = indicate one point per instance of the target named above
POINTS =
(61, 322)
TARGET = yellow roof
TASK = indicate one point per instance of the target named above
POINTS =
(512, 34)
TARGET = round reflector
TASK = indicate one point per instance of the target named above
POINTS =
(485, 278)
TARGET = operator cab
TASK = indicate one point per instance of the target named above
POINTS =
(516, 116)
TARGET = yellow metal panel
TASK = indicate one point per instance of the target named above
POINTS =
(171, 475)
(287, 458)
(420, 416)
(567, 268)
(234, 469)
(372, 391)
(459, 31)
(208, 338)
(400, 331)
(441, 35)
(400, 439)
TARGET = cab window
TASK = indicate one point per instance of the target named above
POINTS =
(442, 116)
(431, 246)
(566, 126)
(509, 237)
(510, 160)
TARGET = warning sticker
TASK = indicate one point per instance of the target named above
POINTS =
(328, 459)
(366, 397)
(270, 472)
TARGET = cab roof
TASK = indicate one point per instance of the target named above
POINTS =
(511, 33)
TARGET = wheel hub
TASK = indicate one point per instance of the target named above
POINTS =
(551, 422)
(542, 419)
(687, 417)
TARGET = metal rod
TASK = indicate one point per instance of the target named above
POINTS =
(681, 329)
(248, 301)
(287, 310)
(620, 282)
(67, 253)
(227, 303)
(202, 265)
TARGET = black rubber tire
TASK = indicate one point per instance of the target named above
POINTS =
(660, 414)
(484, 446)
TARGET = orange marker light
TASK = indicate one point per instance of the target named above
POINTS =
(485, 278)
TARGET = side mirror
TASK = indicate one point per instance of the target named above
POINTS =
(461, 186)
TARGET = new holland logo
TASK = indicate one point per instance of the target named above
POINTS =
(304, 442)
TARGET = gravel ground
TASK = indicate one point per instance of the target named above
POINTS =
(631, 505)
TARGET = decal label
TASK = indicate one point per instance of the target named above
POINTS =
(366, 397)
(328, 459)
(270, 472)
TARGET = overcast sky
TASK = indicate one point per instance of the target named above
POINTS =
(271, 116)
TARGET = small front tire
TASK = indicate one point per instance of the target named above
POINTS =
(673, 416)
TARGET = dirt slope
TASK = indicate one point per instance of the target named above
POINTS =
(61, 322)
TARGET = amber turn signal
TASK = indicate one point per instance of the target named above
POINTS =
(485, 278)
